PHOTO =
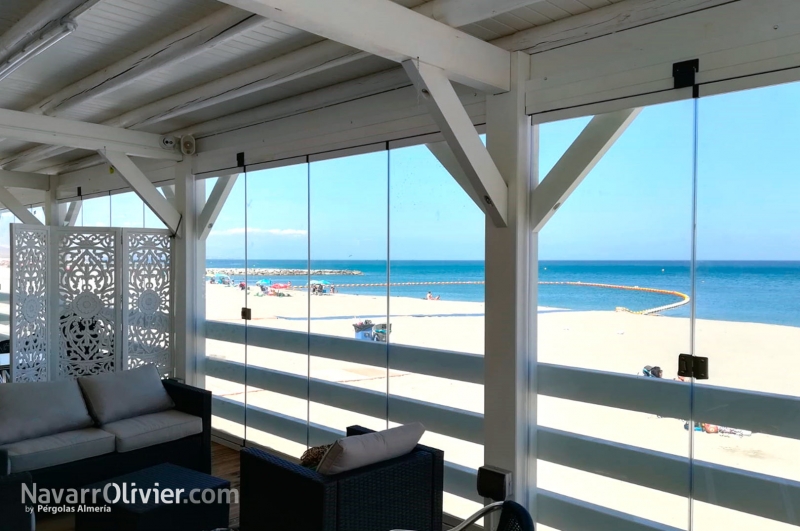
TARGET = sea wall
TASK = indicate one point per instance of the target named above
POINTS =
(277, 272)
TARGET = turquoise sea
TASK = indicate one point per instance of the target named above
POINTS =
(763, 292)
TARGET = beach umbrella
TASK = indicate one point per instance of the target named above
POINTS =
(320, 282)
(263, 282)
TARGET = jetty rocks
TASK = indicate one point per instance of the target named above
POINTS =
(277, 272)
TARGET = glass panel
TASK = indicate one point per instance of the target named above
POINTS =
(151, 221)
(277, 261)
(748, 298)
(127, 210)
(95, 212)
(225, 257)
(348, 205)
(617, 250)
(437, 291)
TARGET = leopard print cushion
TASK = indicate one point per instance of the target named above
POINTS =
(313, 456)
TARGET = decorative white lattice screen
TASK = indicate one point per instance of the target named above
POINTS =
(89, 300)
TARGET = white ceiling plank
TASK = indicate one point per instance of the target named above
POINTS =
(19, 179)
(145, 189)
(389, 30)
(216, 200)
(449, 114)
(8, 200)
(189, 41)
(448, 160)
(575, 164)
(81, 135)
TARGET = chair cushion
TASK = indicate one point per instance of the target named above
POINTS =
(36, 409)
(52, 450)
(121, 395)
(156, 428)
(362, 450)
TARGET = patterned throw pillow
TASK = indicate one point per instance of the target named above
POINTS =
(313, 456)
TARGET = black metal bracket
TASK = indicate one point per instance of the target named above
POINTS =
(693, 367)
(240, 160)
(247, 314)
(683, 73)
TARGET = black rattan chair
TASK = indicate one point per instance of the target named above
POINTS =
(513, 517)
(404, 492)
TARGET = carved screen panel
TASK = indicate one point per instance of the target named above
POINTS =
(88, 294)
(29, 339)
(147, 303)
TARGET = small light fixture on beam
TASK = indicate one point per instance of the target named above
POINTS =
(46, 38)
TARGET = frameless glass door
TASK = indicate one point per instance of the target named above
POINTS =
(746, 466)
(614, 282)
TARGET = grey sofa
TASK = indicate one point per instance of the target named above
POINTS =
(71, 433)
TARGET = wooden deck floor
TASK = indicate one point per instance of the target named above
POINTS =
(224, 464)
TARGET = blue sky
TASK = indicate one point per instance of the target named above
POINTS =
(635, 204)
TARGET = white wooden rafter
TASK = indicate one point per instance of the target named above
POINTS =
(18, 209)
(71, 215)
(447, 111)
(145, 189)
(575, 164)
(216, 200)
(18, 179)
(389, 30)
(81, 135)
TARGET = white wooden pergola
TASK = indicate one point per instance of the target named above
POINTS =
(168, 92)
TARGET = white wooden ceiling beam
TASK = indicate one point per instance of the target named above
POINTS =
(81, 135)
(73, 210)
(8, 200)
(389, 30)
(575, 164)
(448, 160)
(145, 189)
(19, 179)
(449, 114)
(216, 200)
(457, 13)
(606, 20)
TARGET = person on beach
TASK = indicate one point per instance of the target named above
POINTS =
(430, 297)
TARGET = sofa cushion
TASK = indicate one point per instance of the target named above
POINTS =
(156, 428)
(121, 395)
(52, 450)
(362, 450)
(36, 409)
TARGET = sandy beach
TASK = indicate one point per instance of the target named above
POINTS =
(603, 340)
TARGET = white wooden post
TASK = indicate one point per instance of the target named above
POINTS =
(185, 274)
(53, 213)
(511, 276)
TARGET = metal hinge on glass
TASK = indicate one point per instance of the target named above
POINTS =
(693, 367)
(246, 314)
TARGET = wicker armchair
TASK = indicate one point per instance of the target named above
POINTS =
(405, 492)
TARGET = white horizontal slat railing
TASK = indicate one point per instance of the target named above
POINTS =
(757, 494)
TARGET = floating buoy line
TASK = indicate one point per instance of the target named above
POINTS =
(684, 299)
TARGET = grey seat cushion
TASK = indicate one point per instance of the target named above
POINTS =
(31, 410)
(122, 395)
(52, 450)
(362, 450)
(156, 428)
